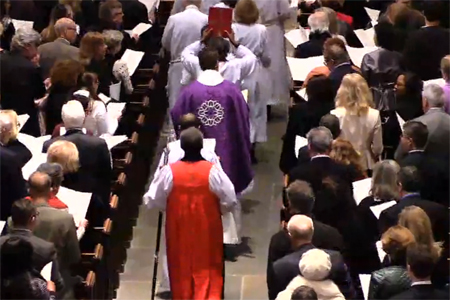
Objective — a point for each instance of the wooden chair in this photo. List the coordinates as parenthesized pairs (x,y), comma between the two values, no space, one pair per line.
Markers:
(89,283)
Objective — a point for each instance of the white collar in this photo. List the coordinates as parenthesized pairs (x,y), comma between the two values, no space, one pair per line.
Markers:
(191,6)
(424,282)
(210,78)
(417,150)
(320,155)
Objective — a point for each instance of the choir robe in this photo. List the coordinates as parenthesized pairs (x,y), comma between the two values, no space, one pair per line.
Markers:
(224,114)
(273,14)
(258,84)
(182,29)
(194,194)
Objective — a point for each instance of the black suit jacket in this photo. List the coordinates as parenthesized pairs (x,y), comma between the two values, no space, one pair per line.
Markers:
(43,253)
(313,47)
(434,174)
(134,12)
(20,150)
(325,237)
(338,73)
(424,50)
(286,269)
(425,291)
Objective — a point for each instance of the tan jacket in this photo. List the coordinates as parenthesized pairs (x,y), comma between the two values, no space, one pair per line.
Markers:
(364,132)
(60,49)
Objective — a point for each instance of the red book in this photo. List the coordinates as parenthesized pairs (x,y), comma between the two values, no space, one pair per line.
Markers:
(219,20)
(346,18)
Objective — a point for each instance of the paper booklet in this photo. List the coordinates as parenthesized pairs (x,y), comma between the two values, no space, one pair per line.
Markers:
(21,24)
(361,189)
(300,67)
(373,14)
(139,29)
(401,122)
(77,202)
(367,37)
(132,59)
(113,140)
(365,283)
(114,90)
(245,94)
(115,109)
(22,119)
(32,165)
(34,144)
(299,143)
(378,209)
(381,253)
(302,93)
(105,99)
(46,271)
(2,225)
(297,36)
(357,54)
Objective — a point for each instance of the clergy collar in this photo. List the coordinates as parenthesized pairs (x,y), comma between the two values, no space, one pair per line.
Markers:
(416,151)
(210,78)
(320,156)
(191,7)
(422,282)
(434,109)
(410,195)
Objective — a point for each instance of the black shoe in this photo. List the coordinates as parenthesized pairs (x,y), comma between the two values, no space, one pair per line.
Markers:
(269,113)
(165,295)
(253,156)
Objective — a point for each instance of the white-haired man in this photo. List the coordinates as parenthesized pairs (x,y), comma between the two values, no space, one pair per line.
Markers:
(319,24)
(95,172)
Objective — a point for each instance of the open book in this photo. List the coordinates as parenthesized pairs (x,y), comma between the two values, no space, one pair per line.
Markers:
(132,59)
(297,36)
(357,54)
(34,144)
(113,140)
(77,202)
(373,14)
(22,119)
(21,24)
(367,37)
(115,109)
(378,209)
(300,67)
(299,143)
(114,90)
(139,29)
(361,189)
(46,271)
(32,165)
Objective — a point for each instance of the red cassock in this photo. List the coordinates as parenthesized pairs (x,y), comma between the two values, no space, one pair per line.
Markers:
(194,234)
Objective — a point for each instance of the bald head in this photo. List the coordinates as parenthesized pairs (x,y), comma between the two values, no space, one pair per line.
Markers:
(300,228)
(66,28)
(40,185)
(189,120)
(191,140)
(6,123)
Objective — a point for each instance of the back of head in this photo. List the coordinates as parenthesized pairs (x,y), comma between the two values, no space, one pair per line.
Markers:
(66,73)
(318,22)
(343,152)
(73,115)
(105,11)
(304,292)
(54,171)
(39,185)
(246,12)
(320,91)
(64,153)
(421,261)
(9,128)
(89,46)
(319,140)
(208,59)
(332,19)
(385,35)
(394,10)
(354,95)
(24,38)
(445,67)
(395,241)
(60,11)
(301,197)
(191,140)
(315,265)
(409,178)
(332,123)
(221,45)
(433,10)
(385,180)
(433,95)
(84,97)
(417,132)
(301,228)
(189,120)
(22,212)
(334,50)
(63,24)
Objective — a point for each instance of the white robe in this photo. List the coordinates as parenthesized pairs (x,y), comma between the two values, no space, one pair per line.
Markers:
(258,84)
(234,69)
(273,14)
(182,29)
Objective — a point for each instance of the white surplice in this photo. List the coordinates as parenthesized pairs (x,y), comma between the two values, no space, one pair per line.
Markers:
(258,84)
(234,69)
(273,14)
(182,29)
(207,4)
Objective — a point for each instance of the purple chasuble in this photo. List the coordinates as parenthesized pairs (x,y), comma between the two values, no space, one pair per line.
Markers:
(225,117)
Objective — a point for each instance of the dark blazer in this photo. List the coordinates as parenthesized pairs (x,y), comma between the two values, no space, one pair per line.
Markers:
(58,96)
(437,213)
(313,47)
(12,186)
(338,73)
(425,291)
(43,253)
(424,50)
(434,174)
(325,237)
(22,83)
(286,269)
(356,10)
(20,150)
(134,12)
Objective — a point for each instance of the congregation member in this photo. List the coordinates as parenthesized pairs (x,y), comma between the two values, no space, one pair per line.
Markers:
(408,96)
(58,12)
(183,28)
(56,174)
(319,25)
(21,78)
(61,48)
(343,153)
(225,118)
(202,242)
(9,131)
(445,71)
(304,293)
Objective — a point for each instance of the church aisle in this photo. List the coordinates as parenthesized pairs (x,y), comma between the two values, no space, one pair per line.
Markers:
(245,277)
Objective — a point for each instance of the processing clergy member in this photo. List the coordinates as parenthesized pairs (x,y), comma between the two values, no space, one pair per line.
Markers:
(194,193)
(224,115)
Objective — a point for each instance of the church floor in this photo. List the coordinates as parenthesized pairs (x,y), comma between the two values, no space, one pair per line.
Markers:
(245,277)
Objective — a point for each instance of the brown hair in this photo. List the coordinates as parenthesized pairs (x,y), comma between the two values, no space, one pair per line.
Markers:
(395,241)
(89,45)
(105,11)
(88,80)
(394,10)
(343,152)
(66,73)
(74,4)
(246,12)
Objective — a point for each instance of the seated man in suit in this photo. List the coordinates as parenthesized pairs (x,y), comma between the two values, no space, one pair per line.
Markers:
(61,48)
(420,263)
(301,201)
(301,231)
(24,217)
(409,181)
(319,24)
(433,172)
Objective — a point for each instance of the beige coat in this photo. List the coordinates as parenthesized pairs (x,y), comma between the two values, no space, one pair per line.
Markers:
(325,289)
(364,132)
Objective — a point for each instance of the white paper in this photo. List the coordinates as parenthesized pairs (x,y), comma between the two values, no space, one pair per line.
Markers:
(373,14)
(299,143)
(401,122)
(357,54)
(378,209)
(21,24)
(132,59)
(78,28)
(245,94)
(230,235)
(150,4)
(46,271)
(297,36)
(104,98)
(2,225)
(302,93)
(361,189)
(77,202)
(381,253)
(22,119)
(367,37)
(113,140)
(32,143)
(62,130)
(114,90)
(438,81)
(32,165)
(300,67)
(365,283)
(141,28)
(115,109)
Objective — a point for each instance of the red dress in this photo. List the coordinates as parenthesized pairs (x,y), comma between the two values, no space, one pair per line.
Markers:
(194,234)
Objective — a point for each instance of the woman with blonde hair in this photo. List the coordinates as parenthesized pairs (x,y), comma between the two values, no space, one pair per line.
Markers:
(9,130)
(343,152)
(254,36)
(64,153)
(360,123)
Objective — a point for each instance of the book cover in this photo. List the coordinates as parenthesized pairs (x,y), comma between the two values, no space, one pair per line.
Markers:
(219,20)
